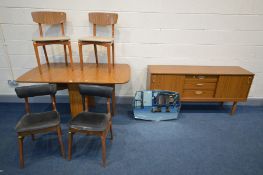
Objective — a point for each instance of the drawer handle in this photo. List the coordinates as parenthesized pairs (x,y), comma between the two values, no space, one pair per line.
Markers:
(199,84)
(198,92)
(201,77)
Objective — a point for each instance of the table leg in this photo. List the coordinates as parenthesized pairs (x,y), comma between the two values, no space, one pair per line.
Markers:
(75,99)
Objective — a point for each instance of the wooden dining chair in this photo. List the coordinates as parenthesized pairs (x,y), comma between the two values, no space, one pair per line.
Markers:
(51,18)
(35,123)
(98,18)
(90,122)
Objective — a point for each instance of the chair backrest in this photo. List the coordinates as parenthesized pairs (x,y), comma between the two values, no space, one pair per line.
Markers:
(99,18)
(95,90)
(37,90)
(49,18)
(103,18)
(45,17)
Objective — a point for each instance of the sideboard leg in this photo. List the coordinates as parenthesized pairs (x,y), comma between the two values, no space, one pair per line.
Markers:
(222,104)
(234,107)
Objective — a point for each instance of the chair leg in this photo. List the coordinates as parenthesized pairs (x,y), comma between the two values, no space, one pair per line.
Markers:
(37,57)
(60,141)
(70,138)
(113,101)
(45,52)
(234,107)
(96,53)
(33,137)
(80,55)
(111,133)
(108,53)
(113,53)
(21,159)
(103,143)
(65,52)
(70,55)
(222,105)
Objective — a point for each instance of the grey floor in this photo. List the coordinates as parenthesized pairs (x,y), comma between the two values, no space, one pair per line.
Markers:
(205,140)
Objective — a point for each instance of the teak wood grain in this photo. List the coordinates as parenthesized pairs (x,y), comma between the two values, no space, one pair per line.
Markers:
(202,83)
(233,86)
(100,18)
(75,98)
(48,17)
(172,82)
(198,70)
(194,85)
(91,74)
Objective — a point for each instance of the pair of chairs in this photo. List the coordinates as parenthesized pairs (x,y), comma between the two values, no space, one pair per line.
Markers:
(59,18)
(85,122)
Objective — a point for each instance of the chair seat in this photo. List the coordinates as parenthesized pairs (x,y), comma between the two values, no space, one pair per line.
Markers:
(51,38)
(97,39)
(90,121)
(37,121)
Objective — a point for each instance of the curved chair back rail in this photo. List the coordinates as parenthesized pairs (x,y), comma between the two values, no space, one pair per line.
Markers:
(46,17)
(95,90)
(36,90)
(103,18)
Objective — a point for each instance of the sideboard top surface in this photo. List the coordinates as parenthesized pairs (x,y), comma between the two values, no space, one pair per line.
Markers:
(205,70)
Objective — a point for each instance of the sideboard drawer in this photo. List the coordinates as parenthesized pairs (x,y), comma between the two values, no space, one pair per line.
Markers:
(200,85)
(200,78)
(198,94)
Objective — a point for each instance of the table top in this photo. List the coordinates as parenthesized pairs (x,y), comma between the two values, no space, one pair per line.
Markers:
(205,70)
(60,73)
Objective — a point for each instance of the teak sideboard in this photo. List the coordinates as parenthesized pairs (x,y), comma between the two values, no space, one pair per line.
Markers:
(202,83)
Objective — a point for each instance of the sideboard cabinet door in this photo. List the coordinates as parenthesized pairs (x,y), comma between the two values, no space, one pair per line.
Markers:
(167,82)
(233,86)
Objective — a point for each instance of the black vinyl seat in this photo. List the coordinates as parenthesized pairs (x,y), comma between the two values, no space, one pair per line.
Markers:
(90,122)
(36,121)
